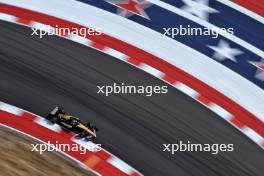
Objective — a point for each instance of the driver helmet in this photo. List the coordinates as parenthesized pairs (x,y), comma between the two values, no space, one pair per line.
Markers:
(74,122)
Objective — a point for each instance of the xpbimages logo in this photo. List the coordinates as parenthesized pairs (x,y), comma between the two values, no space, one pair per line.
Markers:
(191,147)
(182,30)
(50,147)
(64,31)
(129,89)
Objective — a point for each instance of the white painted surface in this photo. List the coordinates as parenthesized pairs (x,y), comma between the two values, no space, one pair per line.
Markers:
(10,109)
(43,122)
(186,89)
(124,167)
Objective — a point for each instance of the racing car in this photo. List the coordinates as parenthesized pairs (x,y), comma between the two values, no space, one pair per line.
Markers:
(72,124)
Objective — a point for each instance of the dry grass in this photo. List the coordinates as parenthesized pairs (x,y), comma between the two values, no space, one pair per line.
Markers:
(17,159)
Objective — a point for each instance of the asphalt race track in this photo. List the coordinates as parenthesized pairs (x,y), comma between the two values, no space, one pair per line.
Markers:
(38,74)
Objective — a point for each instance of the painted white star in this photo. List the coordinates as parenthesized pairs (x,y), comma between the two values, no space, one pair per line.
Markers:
(198,8)
(223,51)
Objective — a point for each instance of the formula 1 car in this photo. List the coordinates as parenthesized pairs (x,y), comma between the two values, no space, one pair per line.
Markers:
(72,124)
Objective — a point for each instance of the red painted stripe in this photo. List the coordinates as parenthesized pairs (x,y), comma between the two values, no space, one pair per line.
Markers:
(66,134)
(169,79)
(133,61)
(28,116)
(203,99)
(256,6)
(98,45)
(24,21)
(103,155)
(108,169)
(237,122)
(134,174)
(242,114)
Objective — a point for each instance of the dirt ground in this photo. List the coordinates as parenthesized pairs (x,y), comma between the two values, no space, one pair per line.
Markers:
(17,159)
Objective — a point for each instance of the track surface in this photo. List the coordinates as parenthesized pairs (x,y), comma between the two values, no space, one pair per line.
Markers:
(38,74)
